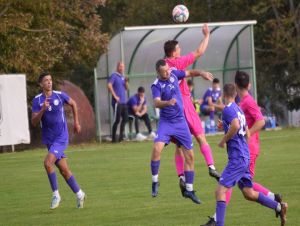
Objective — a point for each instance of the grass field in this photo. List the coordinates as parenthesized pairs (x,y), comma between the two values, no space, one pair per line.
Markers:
(117,181)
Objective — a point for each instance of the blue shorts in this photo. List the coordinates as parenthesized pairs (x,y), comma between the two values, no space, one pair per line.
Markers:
(236,171)
(204,109)
(178,130)
(57,149)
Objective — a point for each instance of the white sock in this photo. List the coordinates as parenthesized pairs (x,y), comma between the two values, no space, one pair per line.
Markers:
(212,167)
(56,193)
(182,177)
(189,187)
(215,217)
(155,178)
(278,209)
(271,195)
(79,194)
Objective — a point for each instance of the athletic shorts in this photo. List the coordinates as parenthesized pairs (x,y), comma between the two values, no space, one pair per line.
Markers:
(178,131)
(192,118)
(57,149)
(204,109)
(236,171)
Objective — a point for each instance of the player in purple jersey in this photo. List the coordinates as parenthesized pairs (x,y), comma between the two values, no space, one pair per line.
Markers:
(212,102)
(237,168)
(47,109)
(172,123)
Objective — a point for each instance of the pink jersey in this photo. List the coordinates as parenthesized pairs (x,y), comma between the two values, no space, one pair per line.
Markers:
(192,118)
(181,63)
(252,113)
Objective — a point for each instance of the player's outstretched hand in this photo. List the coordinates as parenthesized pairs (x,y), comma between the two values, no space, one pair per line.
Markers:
(205,30)
(77,128)
(220,125)
(172,102)
(207,76)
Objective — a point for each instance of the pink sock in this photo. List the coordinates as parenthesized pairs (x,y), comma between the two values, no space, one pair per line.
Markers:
(260,188)
(206,151)
(179,161)
(228,195)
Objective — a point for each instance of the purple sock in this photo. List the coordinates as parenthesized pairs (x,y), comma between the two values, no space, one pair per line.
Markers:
(220,212)
(212,115)
(155,167)
(73,184)
(189,177)
(266,201)
(53,181)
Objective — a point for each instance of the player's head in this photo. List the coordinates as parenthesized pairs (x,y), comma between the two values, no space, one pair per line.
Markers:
(242,80)
(190,85)
(229,91)
(45,81)
(120,67)
(163,70)
(172,48)
(141,91)
(216,84)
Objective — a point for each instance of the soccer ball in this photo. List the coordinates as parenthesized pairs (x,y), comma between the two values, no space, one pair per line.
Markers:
(180,13)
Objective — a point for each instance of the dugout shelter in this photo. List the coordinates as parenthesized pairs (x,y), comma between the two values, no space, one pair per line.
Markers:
(231,48)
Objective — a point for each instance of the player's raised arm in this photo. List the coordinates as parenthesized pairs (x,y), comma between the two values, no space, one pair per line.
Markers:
(204,74)
(204,43)
(77,127)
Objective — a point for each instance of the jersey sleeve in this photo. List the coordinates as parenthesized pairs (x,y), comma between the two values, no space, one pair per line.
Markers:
(254,110)
(180,74)
(35,105)
(65,97)
(155,91)
(186,60)
(229,115)
(112,79)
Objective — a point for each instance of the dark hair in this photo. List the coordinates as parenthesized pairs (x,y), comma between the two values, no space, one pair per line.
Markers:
(242,79)
(42,75)
(229,90)
(160,63)
(190,82)
(170,47)
(141,89)
(216,80)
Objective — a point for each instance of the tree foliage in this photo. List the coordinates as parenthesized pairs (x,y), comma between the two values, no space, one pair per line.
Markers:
(56,36)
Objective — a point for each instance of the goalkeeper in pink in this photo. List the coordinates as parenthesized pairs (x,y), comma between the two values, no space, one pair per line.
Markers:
(174,59)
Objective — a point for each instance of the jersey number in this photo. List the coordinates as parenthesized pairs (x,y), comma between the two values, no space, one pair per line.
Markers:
(242,119)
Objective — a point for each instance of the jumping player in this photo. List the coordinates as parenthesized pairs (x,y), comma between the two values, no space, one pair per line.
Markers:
(47,109)
(172,124)
(174,59)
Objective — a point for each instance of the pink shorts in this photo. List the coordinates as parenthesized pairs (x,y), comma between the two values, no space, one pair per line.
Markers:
(192,118)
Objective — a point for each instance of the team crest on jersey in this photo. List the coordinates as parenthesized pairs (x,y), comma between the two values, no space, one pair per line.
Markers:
(172,79)
(56,102)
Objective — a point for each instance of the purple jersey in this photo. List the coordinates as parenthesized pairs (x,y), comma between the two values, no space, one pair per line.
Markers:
(134,101)
(53,122)
(166,90)
(237,146)
(118,83)
(214,94)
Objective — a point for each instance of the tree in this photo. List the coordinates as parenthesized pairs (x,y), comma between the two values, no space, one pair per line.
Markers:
(57,36)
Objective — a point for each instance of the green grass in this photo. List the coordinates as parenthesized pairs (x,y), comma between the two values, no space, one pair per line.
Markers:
(117,181)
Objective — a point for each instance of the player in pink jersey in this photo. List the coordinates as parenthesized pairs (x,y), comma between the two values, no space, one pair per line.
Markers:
(255,122)
(174,59)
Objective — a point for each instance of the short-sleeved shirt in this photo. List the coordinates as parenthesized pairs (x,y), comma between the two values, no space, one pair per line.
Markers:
(181,63)
(237,146)
(53,121)
(118,83)
(166,90)
(214,94)
(134,100)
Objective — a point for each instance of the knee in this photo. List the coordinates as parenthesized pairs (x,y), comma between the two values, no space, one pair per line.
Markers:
(48,165)
(201,139)
(249,195)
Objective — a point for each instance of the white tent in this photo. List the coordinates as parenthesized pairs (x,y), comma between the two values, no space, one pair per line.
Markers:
(231,48)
